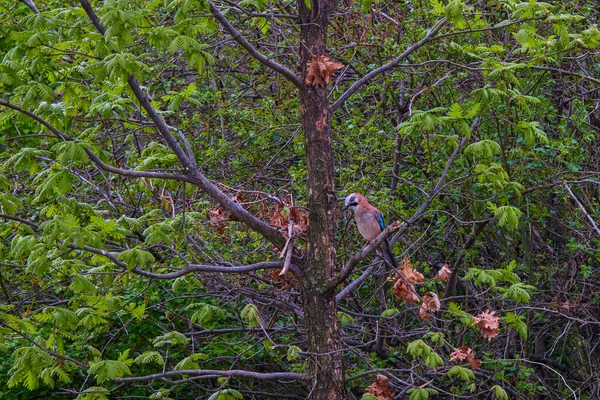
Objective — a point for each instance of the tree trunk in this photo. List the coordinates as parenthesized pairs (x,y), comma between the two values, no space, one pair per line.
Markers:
(324,340)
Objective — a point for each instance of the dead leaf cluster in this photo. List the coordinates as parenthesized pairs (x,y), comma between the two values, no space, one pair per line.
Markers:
(487,322)
(285,282)
(288,218)
(380,388)
(431,303)
(568,305)
(465,353)
(444,274)
(320,69)
(405,278)
(218,219)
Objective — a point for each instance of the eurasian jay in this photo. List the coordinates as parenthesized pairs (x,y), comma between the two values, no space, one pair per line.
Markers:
(369,221)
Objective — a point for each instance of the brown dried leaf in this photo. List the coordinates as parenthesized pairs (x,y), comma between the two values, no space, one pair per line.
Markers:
(285,215)
(444,273)
(410,274)
(405,292)
(277,218)
(380,389)
(431,303)
(465,353)
(320,69)
(283,282)
(567,305)
(475,362)
(217,219)
(487,322)
(299,218)
(405,278)
(461,353)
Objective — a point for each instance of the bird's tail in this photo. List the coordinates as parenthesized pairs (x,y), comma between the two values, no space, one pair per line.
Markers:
(387,255)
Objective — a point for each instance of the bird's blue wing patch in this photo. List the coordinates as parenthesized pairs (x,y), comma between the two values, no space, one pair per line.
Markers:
(380,219)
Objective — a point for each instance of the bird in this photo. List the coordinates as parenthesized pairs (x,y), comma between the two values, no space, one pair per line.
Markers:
(369,221)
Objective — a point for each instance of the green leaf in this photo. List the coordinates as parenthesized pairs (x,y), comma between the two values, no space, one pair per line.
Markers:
(150,357)
(369,396)
(189,363)
(517,322)
(390,312)
(71,151)
(226,394)
(483,277)
(454,12)
(109,370)
(419,348)
(206,313)
(293,353)
(56,183)
(9,204)
(508,215)
(29,361)
(462,373)
(499,393)
(81,284)
(531,132)
(136,257)
(250,316)
(519,292)
(421,393)
(455,111)
(484,150)
(437,7)
(172,338)
(344,318)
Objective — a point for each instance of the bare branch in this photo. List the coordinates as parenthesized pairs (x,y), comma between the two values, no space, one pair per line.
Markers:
(359,256)
(565,72)
(95,159)
(434,192)
(355,283)
(237,36)
(193,173)
(211,268)
(188,270)
(31,6)
(429,37)
(582,208)
(211,373)
(21,220)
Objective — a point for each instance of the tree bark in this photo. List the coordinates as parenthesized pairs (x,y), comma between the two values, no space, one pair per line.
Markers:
(324,341)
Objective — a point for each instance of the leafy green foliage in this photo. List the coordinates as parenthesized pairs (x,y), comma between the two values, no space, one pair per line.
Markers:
(462,373)
(517,322)
(512,82)
(421,393)
(172,338)
(499,393)
(29,363)
(149,357)
(136,257)
(250,315)
(109,370)
(206,313)
(226,394)
(419,348)
(293,353)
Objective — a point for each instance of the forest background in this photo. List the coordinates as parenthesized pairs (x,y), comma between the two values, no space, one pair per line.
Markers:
(171,185)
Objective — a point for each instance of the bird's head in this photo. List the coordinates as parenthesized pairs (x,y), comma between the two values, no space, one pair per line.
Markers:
(351,201)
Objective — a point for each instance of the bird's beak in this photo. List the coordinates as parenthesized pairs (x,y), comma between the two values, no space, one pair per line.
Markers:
(345,207)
